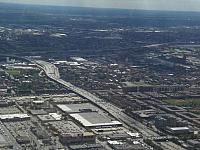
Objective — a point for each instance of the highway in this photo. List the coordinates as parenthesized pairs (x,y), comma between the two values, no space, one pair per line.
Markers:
(53,73)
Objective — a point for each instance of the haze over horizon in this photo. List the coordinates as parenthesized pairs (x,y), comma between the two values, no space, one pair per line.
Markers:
(170,5)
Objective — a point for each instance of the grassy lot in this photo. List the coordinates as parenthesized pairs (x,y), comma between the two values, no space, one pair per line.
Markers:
(194,103)
(13,72)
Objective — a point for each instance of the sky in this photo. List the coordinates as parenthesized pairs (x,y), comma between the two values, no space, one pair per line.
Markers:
(178,5)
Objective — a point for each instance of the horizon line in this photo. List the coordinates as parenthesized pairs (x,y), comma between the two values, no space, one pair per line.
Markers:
(93,7)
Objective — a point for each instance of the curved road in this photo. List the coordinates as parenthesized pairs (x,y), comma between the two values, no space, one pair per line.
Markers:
(53,73)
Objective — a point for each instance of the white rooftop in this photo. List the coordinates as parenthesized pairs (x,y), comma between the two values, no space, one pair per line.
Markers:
(77,108)
(94,120)
(11,116)
(179,128)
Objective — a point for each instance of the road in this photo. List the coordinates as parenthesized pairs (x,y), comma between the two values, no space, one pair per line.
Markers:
(53,73)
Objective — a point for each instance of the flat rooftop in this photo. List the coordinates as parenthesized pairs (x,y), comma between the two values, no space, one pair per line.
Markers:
(68,99)
(7,141)
(94,119)
(77,108)
(50,117)
(66,127)
(79,59)
(2,139)
(179,128)
(134,84)
(14,116)
(9,110)
(86,146)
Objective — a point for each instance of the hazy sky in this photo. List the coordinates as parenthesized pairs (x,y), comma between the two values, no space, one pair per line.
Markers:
(185,5)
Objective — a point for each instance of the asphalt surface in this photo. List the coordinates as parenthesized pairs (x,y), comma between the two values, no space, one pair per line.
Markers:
(53,73)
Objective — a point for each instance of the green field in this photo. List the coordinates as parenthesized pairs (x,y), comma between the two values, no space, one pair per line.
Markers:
(13,72)
(194,103)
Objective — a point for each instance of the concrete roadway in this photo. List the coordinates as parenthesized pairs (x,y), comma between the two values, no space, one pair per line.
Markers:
(53,73)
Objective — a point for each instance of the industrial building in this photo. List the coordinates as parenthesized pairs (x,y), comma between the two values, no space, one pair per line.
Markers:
(163,121)
(94,120)
(179,130)
(143,87)
(123,145)
(49,117)
(78,108)
(86,147)
(14,117)
(69,132)
(4,143)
